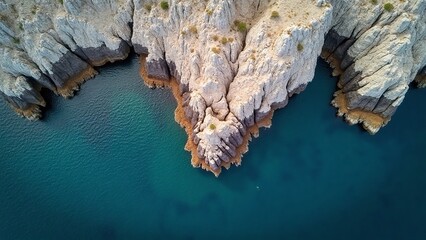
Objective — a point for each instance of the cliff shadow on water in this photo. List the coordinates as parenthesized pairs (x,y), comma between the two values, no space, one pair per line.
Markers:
(309,109)
(52,99)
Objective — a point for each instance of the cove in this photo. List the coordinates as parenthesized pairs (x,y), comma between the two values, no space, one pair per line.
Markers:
(110,164)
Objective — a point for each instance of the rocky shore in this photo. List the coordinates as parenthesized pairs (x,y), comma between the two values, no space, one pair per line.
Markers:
(377,49)
(230,64)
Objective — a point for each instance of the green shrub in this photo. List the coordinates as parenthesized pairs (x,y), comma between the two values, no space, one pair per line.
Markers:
(299,47)
(212,126)
(148,7)
(241,26)
(16,40)
(61,1)
(216,50)
(164,5)
(224,40)
(374,2)
(388,7)
(193,29)
(275,14)
(21,26)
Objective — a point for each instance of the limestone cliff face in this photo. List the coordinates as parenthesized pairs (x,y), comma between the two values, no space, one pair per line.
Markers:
(231,62)
(379,50)
(48,44)
(234,62)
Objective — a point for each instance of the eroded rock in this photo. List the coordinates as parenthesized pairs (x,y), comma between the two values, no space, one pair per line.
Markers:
(230,63)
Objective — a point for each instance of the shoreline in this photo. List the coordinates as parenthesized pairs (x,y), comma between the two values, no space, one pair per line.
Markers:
(333,61)
(73,84)
(107,60)
(31,113)
(181,119)
(371,122)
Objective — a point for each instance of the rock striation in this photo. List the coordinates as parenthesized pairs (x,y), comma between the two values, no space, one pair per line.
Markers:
(230,63)
(54,45)
(377,48)
(234,63)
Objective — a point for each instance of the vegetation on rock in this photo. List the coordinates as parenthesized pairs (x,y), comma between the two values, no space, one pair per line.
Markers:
(241,26)
(164,5)
(299,47)
(388,7)
(216,50)
(224,40)
(148,7)
(275,14)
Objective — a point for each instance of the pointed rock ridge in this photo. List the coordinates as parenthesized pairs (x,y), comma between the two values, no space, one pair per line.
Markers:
(377,51)
(233,62)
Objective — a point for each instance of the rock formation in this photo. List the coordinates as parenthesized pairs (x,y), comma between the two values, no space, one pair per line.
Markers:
(46,43)
(230,63)
(378,48)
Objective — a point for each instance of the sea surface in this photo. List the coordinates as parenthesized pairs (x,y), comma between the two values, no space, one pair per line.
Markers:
(110,164)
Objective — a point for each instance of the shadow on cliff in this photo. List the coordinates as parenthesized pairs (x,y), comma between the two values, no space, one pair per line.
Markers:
(52,99)
(126,61)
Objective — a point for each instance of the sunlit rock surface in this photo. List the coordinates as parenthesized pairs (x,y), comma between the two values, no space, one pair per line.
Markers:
(230,63)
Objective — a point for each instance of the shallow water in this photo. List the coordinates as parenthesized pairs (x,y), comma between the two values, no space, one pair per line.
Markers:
(110,164)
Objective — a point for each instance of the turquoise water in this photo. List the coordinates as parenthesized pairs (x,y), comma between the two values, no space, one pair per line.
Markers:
(110,164)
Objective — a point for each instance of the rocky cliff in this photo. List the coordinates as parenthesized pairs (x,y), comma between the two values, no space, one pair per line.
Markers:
(229,63)
(55,45)
(378,48)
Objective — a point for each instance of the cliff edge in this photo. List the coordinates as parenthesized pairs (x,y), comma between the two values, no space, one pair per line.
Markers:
(378,48)
(230,64)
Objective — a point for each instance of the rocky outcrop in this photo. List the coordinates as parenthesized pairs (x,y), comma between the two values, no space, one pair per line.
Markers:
(55,45)
(378,48)
(234,62)
(230,63)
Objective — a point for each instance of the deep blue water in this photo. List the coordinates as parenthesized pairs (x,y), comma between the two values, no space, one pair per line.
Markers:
(110,164)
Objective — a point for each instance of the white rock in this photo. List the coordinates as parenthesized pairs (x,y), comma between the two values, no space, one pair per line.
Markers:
(232,73)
